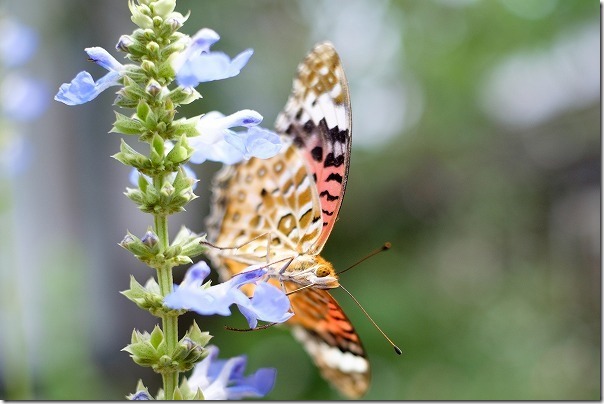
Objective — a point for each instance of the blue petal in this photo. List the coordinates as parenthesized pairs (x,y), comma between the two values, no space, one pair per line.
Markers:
(204,302)
(203,40)
(269,303)
(196,275)
(141,395)
(239,62)
(102,58)
(220,151)
(209,67)
(245,117)
(224,379)
(215,299)
(258,384)
(255,142)
(213,126)
(83,88)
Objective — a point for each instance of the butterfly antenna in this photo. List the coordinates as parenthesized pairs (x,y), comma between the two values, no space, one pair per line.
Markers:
(262,327)
(385,247)
(396,348)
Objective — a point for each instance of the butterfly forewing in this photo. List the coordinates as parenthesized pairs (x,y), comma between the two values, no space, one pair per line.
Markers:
(284,207)
(318,117)
(258,202)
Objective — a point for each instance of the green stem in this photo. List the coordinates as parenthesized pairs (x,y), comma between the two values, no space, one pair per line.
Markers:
(165,280)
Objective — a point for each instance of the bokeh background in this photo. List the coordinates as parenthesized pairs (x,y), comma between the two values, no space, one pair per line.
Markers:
(476,153)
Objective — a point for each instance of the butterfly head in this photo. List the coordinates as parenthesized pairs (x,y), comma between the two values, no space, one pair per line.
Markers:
(313,270)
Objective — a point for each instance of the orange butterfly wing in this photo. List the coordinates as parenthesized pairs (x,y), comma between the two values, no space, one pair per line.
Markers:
(321,326)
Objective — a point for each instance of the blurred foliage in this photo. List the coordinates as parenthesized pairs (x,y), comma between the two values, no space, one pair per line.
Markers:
(492,287)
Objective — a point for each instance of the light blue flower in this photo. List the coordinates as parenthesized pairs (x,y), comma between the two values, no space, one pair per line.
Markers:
(197,64)
(224,379)
(83,88)
(217,142)
(22,98)
(16,154)
(255,142)
(213,126)
(269,305)
(18,43)
(140,395)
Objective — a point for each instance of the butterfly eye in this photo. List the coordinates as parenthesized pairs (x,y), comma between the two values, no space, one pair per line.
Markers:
(322,272)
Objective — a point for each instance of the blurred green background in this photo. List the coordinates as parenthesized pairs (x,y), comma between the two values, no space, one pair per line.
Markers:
(476,153)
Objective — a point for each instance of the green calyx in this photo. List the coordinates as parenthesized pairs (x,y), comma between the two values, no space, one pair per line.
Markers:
(150,350)
(185,246)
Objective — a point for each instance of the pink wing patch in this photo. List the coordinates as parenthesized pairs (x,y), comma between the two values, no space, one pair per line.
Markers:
(318,118)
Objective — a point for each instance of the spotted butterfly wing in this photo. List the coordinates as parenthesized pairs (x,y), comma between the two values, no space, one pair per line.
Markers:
(318,118)
(283,209)
(329,337)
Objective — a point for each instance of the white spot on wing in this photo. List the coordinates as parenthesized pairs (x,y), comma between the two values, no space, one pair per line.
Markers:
(345,362)
(326,106)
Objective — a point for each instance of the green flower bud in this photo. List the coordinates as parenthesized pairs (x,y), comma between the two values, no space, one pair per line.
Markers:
(142,351)
(180,153)
(124,43)
(157,21)
(163,8)
(142,393)
(149,67)
(140,15)
(154,88)
(150,239)
(135,245)
(153,49)
(174,23)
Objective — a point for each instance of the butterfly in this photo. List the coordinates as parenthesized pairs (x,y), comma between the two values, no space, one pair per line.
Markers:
(282,210)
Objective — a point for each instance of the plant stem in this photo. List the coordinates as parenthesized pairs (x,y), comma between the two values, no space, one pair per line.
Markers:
(165,280)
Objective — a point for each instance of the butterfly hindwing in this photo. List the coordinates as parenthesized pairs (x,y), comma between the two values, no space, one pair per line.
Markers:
(318,117)
(328,336)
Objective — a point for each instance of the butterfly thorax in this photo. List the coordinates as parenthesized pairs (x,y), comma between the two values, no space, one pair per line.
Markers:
(308,269)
